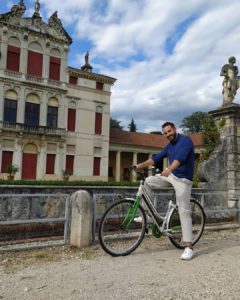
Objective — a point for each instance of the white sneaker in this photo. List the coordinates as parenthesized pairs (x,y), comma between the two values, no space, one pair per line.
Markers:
(187,254)
(138,220)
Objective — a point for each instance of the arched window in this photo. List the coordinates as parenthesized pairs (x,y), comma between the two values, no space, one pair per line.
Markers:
(52,113)
(35,59)
(32,110)
(13,54)
(10,106)
(98,120)
(55,64)
(71,116)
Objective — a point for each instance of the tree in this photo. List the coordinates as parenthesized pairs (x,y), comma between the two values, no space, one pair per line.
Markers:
(194,122)
(132,126)
(115,124)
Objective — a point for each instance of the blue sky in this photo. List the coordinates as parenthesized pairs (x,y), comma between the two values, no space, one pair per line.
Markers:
(166,55)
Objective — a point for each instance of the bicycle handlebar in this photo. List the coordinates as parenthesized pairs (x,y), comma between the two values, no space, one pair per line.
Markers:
(144,172)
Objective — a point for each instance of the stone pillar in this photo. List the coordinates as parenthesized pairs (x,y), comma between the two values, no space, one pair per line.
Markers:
(134,175)
(1,101)
(118,166)
(81,219)
(42,160)
(43,109)
(222,169)
(21,106)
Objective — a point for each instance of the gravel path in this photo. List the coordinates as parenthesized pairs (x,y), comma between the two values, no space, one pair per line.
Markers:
(154,271)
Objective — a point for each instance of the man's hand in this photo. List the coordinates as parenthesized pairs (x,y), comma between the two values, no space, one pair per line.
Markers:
(166,172)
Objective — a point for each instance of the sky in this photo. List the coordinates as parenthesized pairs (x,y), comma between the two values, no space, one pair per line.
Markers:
(165,54)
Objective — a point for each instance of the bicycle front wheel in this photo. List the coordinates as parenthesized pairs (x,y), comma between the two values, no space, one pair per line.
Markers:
(119,234)
(198,223)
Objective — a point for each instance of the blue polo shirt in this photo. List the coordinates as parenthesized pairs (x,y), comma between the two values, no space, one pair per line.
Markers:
(181,149)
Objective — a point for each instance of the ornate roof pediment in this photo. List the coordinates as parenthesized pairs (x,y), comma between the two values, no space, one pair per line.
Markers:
(15,14)
(54,28)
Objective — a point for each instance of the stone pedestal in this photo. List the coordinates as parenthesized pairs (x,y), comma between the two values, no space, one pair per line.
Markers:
(222,169)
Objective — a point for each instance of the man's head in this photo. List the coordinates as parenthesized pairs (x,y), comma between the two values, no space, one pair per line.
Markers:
(170,131)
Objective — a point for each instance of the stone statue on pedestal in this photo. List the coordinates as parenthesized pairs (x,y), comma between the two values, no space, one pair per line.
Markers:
(231,81)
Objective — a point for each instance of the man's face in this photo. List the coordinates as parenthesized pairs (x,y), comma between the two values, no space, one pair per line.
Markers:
(170,132)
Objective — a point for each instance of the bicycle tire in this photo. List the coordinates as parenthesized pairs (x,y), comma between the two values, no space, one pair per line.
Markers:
(117,239)
(198,223)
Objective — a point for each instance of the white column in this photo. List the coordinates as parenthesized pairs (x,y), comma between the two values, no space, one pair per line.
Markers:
(41,163)
(118,166)
(134,175)
(3,60)
(21,106)
(23,59)
(17,157)
(62,113)
(60,159)
(43,109)
(46,65)
(1,101)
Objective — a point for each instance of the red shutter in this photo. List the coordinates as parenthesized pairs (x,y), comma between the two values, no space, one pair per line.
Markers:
(35,60)
(29,166)
(54,69)
(99,86)
(98,123)
(73,80)
(71,119)
(96,166)
(50,164)
(13,58)
(6,160)
(69,163)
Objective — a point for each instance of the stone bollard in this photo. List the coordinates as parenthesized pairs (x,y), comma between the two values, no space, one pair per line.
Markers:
(81,219)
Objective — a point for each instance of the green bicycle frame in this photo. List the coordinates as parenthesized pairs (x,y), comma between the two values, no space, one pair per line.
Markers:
(131,213)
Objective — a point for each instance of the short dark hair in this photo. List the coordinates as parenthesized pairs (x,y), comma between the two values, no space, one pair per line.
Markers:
(168,124)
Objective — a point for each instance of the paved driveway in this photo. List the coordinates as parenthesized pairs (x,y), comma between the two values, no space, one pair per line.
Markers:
(154,271)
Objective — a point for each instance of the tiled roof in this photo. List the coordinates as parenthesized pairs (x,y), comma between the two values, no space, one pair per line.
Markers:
(146,139)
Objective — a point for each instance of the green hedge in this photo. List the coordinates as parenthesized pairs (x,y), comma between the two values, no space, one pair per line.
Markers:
(67,183)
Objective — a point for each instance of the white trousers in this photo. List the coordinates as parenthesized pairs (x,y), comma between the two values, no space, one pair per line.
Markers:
(183,189)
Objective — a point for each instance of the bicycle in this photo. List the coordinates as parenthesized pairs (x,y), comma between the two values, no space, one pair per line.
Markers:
(120,235)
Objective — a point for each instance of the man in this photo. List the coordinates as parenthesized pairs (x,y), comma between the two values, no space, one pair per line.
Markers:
(180,154)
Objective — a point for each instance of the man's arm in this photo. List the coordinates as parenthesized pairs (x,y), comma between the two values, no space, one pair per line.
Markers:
(174,165)
(147,163)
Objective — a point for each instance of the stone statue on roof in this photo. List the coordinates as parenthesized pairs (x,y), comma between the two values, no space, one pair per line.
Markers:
(231,81)
(87,67)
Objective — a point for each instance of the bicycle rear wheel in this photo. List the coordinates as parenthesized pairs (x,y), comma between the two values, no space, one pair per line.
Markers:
(198,223)
(118,233)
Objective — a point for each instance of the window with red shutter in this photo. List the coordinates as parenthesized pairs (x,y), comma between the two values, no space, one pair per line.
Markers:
(69,163)
(98,123)
(7,157)
(96,166)
(13,58)
(50,163)
(54,68)
(99,85)
(71,119)
(73,80)
(35,60)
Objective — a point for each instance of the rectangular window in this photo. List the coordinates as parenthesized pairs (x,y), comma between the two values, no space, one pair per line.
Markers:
(50,163)
(69,163)
(96,166)
(52,116)
(98,123)
(73,80)
(32,114)
(35,61)
(7,157)
(13,58)
(10,111)
(54,68)
(71,119)
(99,85)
